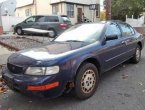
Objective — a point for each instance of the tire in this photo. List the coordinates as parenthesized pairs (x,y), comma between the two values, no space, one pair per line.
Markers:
(137,56)
(86,81)
(53,34)
(19,31)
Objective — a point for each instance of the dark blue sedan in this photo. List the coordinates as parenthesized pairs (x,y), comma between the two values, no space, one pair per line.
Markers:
(74,60)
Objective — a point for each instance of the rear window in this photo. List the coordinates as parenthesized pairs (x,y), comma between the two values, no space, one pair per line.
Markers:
(65,19)
(52,19)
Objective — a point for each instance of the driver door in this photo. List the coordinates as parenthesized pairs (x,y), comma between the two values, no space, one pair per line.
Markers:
(112,49)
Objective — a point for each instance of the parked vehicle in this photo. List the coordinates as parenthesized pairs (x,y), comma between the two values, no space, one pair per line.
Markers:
(54,23)
(74,60)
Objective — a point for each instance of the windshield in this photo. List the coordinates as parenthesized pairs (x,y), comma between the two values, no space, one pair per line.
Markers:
(82,33)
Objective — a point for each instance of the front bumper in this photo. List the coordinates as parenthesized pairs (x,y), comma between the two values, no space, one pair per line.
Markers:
(21,82)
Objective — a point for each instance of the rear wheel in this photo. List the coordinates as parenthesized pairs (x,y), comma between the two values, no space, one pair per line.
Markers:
(52,33)
(19,31)
(137,56)
(86,81)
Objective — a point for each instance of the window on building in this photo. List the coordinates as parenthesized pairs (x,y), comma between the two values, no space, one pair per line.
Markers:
(97,10)
(55,9)
(28,12)
(70,10)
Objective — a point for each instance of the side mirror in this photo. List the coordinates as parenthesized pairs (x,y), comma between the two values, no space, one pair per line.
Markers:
(111,37)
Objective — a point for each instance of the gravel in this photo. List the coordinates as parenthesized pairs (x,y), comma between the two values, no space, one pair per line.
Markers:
(20,42)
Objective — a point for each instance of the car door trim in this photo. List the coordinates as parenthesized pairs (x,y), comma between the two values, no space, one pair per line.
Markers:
(119,55)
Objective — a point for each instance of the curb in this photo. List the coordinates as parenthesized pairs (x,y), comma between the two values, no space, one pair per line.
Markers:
(9,46)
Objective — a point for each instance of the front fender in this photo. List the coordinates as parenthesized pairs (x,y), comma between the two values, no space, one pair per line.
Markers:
(76,63)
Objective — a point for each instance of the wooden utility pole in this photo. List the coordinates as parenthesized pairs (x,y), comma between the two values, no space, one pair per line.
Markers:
(108,9)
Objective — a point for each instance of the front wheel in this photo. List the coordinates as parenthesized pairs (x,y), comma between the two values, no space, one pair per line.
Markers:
(137,56)
(19,31)
(86,81)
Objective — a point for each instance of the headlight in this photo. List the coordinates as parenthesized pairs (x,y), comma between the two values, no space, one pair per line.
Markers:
(42,70)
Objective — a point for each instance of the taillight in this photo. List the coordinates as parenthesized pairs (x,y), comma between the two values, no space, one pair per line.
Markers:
(63,26)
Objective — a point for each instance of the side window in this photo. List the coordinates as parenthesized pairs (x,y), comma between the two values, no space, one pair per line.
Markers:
(40,19)
(31,19)
(113,29)
(132,30)
(52,19)
(126,30)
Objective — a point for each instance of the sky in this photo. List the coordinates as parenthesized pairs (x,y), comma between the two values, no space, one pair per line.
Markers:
(2,1)
(101,4)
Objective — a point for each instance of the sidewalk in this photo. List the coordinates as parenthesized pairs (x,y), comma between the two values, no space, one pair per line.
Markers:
(3,59)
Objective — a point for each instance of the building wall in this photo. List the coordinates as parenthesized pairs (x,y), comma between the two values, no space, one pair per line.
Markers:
(20,12)
(39,7)
(44,7)
(77,1)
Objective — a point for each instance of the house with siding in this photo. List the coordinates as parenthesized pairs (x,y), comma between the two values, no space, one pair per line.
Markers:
(76,10)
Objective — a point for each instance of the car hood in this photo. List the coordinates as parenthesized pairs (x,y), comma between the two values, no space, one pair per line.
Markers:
(49,52)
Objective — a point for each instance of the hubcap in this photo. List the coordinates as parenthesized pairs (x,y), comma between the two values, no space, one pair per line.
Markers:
(137,54)
(19,31)
(51,34)
(88,81)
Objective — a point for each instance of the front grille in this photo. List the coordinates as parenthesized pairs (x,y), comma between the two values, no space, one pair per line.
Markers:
(15,69)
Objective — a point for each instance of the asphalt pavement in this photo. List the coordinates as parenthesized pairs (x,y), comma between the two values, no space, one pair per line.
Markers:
(122,88)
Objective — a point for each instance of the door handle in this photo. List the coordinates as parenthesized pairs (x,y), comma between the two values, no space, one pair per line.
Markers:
(125,42)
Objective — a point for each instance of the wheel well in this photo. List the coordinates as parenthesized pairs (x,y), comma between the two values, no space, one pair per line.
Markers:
(18,27)
(53,30)
(140,44)
(71,85)
(93,61)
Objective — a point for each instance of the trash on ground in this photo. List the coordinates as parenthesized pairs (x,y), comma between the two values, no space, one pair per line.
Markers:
(124,76)
(140,83)
(3,86)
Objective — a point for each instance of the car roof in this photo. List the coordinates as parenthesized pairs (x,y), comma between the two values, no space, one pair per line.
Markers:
(51,15)
(110,21)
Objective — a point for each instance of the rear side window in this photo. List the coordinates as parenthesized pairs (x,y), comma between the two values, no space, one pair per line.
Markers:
(126,30)
(52,19)
(40,19)
(113,29)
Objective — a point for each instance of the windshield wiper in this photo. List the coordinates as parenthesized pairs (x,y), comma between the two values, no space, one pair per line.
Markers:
(73,41)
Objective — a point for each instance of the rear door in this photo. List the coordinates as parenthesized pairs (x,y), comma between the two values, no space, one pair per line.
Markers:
(40,23)
(128,35)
